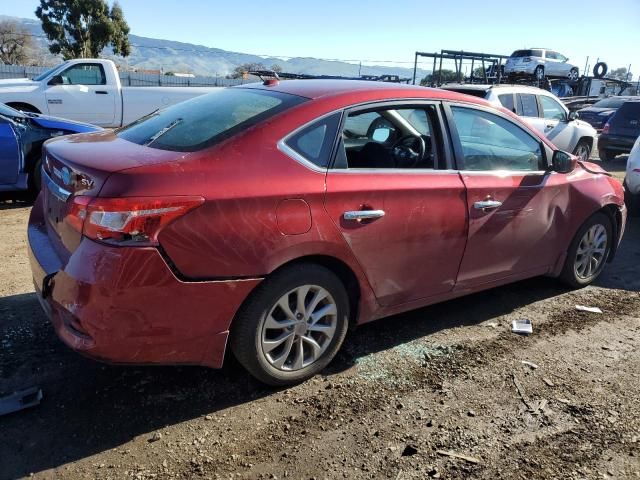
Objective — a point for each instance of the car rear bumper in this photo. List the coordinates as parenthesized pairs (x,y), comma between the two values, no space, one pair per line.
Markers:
(527,69)
(615,143)
(125,305)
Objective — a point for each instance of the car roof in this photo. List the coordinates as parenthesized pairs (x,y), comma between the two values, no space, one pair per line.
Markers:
(316,89)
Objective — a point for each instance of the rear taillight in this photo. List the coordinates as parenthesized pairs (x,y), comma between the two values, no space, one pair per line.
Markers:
(128,221)
(606,127)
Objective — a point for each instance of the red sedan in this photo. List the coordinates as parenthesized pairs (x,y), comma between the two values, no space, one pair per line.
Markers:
(270,217)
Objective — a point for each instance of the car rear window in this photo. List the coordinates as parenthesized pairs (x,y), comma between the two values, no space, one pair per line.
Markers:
(527,53)
(629,110)
(480,93)
(208,119)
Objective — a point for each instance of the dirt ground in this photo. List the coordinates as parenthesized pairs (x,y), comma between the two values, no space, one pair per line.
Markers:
(441,392)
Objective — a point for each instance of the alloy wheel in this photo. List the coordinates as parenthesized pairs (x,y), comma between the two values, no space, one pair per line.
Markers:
(539,73)
(590,255)
(299,328)
(573,75)
(582,152)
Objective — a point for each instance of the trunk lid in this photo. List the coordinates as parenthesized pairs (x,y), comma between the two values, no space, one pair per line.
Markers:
(80,165)
(626,121)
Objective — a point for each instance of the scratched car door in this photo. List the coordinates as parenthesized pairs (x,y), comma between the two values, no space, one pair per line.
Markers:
(405,224)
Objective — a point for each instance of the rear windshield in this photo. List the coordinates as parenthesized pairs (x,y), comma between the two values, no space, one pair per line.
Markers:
(208,119)
(469,91)
(629,110)
(527,53)
(611,102)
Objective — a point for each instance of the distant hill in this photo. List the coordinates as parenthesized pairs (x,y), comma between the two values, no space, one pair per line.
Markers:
(154,54)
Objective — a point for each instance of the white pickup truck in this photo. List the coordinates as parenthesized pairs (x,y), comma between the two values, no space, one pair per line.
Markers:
(89,90)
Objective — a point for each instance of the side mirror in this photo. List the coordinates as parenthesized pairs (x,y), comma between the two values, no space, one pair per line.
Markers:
(56,80)
(563,162)
(573,116)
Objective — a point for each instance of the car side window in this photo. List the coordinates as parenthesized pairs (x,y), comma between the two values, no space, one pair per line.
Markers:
(551,109)
(390,137)
(84,74)
(506,99)
(490,142)
(315,142)
(526,105)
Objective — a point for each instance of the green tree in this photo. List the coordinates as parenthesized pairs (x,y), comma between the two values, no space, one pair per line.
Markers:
(15,43)
(620,74)
(276,68)
(442,76)
(83,28)
(241,71)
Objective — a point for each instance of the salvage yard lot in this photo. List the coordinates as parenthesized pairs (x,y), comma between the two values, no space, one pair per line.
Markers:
(441,392)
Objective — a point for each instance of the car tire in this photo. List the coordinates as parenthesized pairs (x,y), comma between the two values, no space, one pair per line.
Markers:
(264,332)
(538,73)
(35,182)
(588,251)
(583,150)
(573,74)
(632,201)
(606,155)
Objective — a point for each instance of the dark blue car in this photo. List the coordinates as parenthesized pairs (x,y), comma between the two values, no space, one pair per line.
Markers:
(600,112)
(21,137)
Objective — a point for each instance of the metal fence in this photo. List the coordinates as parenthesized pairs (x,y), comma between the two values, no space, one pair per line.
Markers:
(133,79)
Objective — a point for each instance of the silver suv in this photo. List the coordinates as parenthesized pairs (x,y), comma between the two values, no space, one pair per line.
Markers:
(540,62)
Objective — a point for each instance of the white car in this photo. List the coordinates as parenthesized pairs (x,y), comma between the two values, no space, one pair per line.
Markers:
(540,62)
(632,179)
(88,90)
(540,109)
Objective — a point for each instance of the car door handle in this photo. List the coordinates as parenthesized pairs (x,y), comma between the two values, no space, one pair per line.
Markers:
(549,125)
(363,214)
(102,92)
(487,205)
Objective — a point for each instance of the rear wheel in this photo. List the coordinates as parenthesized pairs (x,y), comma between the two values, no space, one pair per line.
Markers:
(588,252)
(292,326)
(573,74)
(606,155)
(632,201)
(583,150)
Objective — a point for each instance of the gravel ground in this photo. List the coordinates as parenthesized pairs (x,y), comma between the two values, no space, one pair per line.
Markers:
(442,392)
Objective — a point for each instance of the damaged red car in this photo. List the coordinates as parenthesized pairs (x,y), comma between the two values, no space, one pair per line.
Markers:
(265,219)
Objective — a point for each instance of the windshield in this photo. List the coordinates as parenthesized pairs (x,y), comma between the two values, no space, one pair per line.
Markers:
(611,102)
(527,53)
(46,73)
(10,112)
(208,119)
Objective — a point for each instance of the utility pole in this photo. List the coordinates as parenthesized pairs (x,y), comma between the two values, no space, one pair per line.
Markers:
(359,69)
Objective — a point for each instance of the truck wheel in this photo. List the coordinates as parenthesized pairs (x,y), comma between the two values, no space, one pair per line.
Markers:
(583,150)
(606,155)
(292,325)
(588,252)
(24,107)
(538,73)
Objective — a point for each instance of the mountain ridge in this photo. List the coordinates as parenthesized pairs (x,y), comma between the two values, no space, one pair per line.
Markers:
(172,55)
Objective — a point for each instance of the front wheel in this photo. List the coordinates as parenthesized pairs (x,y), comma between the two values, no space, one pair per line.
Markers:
(35,184)
(588,252)
(582,151)
(292,326)
(538,73)
(632,201)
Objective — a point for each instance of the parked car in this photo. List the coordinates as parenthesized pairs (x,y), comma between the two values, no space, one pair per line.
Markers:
(600,112)
(271,216)
(89,90)
(540,63)
(632,179)
(21,139)
(620,132)
(540,109)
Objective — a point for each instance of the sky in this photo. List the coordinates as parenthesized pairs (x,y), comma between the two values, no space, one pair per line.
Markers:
(389,31)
